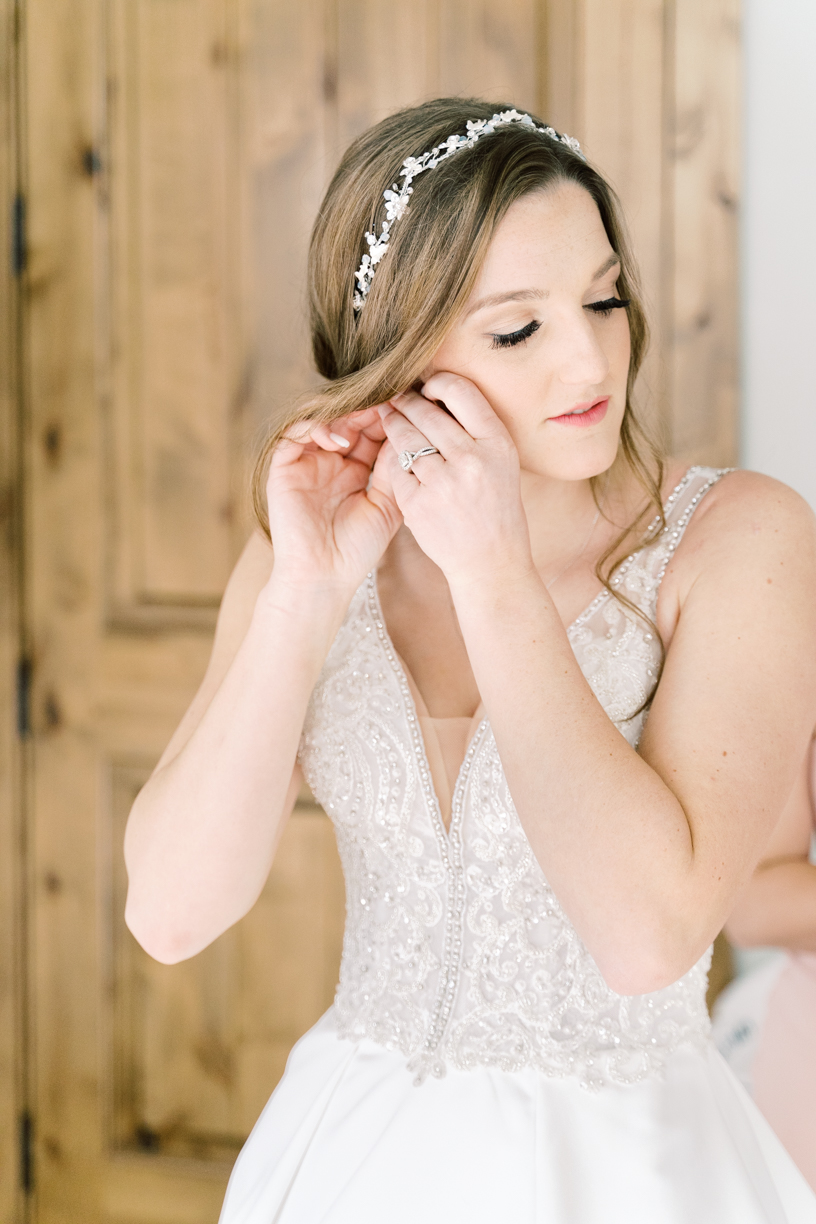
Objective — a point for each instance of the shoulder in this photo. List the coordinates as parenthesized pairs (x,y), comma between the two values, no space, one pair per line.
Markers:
(752,513)
(747,529)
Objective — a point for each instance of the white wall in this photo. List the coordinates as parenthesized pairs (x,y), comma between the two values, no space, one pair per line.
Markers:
(779,242)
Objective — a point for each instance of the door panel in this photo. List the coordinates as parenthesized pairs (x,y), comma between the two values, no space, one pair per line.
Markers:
(171,174)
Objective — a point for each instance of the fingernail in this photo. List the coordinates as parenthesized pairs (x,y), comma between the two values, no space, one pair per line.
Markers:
(340,441)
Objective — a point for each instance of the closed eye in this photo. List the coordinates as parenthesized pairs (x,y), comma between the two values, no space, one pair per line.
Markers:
(608,305)
(517,337)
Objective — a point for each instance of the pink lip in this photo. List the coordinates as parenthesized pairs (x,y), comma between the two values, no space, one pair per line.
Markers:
(590,413)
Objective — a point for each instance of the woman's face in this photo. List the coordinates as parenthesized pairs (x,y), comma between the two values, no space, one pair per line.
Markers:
(552,365)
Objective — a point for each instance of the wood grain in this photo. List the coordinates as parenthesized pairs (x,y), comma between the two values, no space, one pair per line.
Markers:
(13,1059)
(703,153)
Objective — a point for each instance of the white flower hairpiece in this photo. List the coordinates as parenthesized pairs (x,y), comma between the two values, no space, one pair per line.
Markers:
(396,197)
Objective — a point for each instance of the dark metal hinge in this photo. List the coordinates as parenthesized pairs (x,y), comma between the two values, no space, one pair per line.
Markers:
(19,244)
(24,698)
(26,1136)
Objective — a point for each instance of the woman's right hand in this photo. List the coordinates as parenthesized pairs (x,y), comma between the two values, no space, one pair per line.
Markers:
(332,511)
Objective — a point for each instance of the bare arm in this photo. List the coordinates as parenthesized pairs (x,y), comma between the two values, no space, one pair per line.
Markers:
(777,908)
(203,831)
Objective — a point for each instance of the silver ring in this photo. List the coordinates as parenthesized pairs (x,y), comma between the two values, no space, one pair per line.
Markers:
(407,458)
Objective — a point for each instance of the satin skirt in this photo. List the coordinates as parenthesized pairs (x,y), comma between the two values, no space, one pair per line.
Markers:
(347,1138)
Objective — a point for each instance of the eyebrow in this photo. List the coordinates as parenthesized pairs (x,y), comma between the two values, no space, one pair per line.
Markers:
(529,295)
(514,295)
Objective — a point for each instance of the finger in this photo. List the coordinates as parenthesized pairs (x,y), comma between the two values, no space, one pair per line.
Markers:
(343,433)
(467,404)
(334,437)
(288,451)
(403,435)
(405,485)
(365,419)
(381,487)
(441,429)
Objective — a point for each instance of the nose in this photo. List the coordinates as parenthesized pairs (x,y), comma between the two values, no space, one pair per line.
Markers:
(581,360)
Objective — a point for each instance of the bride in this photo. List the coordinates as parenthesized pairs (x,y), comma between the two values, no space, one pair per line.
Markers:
(485,579)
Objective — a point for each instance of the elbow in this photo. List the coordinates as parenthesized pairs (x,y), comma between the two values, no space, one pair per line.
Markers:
(747,926)
(160,940)
(741,933)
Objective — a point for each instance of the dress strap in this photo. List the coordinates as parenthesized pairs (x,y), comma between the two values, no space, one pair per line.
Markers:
(640,575)
(680,507)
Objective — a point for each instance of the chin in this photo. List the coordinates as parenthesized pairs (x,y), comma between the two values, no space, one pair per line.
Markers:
(578,460)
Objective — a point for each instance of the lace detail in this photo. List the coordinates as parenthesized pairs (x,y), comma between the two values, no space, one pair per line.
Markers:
(456,950)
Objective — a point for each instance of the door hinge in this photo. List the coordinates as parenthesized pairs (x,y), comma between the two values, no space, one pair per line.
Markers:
(26,1136)
(19,243)
(24,697)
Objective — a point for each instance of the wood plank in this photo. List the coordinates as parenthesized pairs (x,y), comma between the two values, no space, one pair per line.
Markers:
(373,81)
(561,85)
(12,1050)
(61,55)
(704,156)
(289,87)
(490,51)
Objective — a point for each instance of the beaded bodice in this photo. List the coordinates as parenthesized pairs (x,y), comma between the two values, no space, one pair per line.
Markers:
(456,950)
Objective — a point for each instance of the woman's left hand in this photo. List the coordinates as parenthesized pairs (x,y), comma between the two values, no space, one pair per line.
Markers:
(463,506)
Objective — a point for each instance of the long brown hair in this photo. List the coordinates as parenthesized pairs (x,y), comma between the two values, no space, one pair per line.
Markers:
(434,257)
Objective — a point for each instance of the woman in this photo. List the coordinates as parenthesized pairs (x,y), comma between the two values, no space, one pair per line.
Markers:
(771,1014)
(475,593)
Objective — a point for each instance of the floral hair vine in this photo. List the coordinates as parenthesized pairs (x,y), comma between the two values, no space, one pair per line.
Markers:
(396,197)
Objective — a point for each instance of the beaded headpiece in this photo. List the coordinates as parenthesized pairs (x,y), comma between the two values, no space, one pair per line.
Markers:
(396,197)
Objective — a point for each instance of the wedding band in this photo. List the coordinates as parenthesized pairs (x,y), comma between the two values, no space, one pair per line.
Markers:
(407,458)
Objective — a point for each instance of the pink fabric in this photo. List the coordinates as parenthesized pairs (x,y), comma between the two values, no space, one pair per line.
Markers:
(784,1069)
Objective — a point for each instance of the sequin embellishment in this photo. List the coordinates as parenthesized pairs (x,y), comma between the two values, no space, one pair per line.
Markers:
(456,950)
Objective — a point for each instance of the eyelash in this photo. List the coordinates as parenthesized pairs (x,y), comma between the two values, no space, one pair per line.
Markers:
(510,339)
(608,305)
(516,337)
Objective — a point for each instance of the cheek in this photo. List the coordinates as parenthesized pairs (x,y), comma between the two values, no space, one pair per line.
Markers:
(619,346)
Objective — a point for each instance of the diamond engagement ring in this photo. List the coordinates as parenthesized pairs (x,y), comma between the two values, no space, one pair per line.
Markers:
(407,458)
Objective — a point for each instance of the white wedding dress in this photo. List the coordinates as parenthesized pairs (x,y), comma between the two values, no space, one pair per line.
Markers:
(475,1067)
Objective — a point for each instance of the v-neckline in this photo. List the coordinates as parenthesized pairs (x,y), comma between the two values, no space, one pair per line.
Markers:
(403,673)
(409,685)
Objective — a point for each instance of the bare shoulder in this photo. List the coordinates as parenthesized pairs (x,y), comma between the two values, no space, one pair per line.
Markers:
(754,514)
(749,528)
(744,490)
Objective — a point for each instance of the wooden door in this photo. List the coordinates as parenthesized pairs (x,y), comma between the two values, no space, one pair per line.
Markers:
(176,151)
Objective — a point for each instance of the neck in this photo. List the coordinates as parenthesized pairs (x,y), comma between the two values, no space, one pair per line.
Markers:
(559,513)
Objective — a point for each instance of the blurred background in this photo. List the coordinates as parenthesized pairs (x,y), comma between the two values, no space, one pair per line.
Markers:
(161,162)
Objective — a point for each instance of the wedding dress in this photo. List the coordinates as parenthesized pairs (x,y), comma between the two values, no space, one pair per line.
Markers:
(475,1067)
